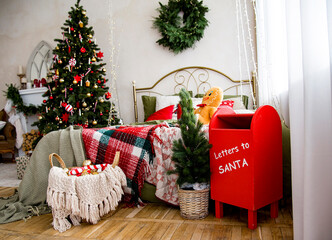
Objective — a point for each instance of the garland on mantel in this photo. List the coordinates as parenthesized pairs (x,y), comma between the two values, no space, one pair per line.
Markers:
(179,33)
(13,94)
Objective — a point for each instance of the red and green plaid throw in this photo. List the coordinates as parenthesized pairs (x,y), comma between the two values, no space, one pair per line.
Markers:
(136,151)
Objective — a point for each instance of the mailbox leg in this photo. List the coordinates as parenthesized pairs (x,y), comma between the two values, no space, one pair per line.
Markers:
(274,209)
(252,219)
(219,209)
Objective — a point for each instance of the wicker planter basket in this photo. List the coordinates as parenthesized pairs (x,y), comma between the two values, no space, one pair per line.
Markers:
(194,204)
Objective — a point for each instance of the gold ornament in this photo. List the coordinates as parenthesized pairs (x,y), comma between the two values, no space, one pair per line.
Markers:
(87,83)
(90,36)
(93,59)
(61,80)
(80,23)
(88,94)
(57,72)
(87,162)
(101,100)
(104,69)
(94,122)
(53,88)
(84,12)
(57,47)
(84,104)
(60,61)
(60,121)
(75,82)
(95,86)
(57,118)
(40,117)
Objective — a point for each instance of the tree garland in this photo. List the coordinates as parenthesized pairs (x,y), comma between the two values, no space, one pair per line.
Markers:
(14,95)
(179,36)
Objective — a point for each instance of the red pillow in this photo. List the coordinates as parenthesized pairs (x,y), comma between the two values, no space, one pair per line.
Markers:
(179,112)
(228,103)
(162,114)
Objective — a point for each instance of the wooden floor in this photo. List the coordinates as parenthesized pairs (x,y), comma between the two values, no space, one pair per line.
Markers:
(156,221)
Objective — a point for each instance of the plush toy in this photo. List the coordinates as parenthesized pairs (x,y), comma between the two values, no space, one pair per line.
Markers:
(210,103)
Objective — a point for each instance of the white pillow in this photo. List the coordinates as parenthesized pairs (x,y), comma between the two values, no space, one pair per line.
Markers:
(2,124)
(196,101)
(238,104)
(165,101)
(244,111)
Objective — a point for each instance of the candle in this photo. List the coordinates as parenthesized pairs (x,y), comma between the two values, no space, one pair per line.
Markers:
(20,69)
(24,80)
(29,85)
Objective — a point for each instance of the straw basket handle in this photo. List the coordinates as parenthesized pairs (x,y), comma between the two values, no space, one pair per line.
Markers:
(62,163)
(116,159)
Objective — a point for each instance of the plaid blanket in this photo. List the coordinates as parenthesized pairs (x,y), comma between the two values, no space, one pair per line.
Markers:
(135,144)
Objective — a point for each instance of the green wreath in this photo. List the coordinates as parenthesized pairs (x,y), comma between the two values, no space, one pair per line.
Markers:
(13,94)
(175,35)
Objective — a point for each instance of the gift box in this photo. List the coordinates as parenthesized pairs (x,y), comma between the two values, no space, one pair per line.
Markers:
(21,164)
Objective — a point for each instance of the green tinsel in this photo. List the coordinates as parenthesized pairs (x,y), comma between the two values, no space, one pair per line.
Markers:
(174,36)
(13,94)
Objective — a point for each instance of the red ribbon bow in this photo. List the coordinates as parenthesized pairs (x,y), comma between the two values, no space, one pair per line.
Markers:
(201,105)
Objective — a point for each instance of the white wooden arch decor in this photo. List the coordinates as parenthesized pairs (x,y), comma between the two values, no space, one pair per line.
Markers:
(39,62)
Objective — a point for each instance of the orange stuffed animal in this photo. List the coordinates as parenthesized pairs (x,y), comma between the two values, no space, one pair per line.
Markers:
(210,104)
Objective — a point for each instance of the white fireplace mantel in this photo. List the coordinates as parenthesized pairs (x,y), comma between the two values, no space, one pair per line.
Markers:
(33,96)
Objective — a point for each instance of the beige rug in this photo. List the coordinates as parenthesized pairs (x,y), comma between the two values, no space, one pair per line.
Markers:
(8,175)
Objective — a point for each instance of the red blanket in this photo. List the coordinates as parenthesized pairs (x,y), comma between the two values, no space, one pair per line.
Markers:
(136,151)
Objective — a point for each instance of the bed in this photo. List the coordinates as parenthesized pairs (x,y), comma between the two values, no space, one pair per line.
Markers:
(146,146)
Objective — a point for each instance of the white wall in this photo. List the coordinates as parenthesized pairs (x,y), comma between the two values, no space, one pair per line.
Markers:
(23,24)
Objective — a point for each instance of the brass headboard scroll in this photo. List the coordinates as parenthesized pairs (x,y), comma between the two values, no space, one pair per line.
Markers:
(196,79)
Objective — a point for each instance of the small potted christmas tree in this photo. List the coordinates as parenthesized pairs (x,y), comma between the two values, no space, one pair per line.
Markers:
(192,165)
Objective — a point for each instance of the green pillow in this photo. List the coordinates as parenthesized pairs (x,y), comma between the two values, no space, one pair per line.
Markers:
(149,105)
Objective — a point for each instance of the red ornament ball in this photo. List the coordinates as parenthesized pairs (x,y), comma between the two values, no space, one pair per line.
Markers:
(101,114)
(71,29)
(71,89)
(44,101)
(91,71)
(89,41)
(99,81)
(51,97)
(83,50)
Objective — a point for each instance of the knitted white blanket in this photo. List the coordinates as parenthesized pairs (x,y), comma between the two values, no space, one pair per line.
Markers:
(86,197)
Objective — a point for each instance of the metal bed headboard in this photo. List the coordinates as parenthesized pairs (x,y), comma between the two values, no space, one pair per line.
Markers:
(195,78)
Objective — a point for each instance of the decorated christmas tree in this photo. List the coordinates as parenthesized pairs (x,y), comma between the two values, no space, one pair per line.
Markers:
(77,93)
(191,151)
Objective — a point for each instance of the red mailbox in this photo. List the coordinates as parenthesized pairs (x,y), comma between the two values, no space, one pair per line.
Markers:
(246,161)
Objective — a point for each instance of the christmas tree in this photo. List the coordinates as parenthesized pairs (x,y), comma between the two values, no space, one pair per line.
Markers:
(77,93)
(191,152)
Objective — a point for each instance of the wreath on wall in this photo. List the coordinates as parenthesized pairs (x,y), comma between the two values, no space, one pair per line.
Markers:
(179,33)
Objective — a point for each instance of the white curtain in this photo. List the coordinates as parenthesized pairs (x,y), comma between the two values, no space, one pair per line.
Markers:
(305,47)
